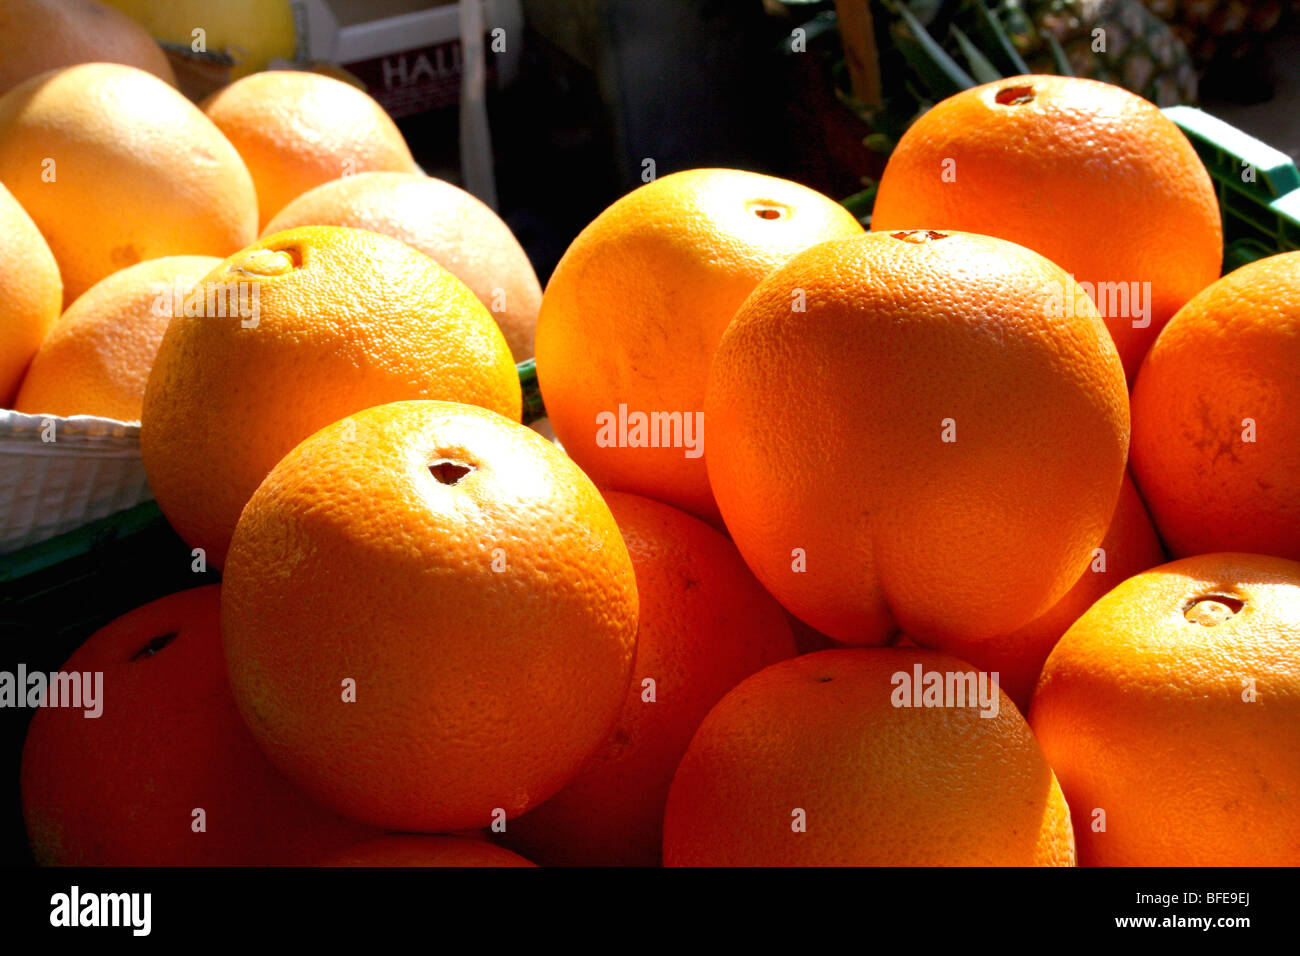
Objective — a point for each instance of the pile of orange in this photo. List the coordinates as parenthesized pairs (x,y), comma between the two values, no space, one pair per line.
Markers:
(851,551)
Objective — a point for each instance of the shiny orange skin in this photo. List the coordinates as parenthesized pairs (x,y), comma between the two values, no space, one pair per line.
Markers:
(827,430)
(705,625)
(1092,176)
(449,225)
(1130,547)
(639,301)
(96,359)
(31,290)
(346,320)
(1228,363)
(121,789)
(879,785)
(438,851)
(1144,711)
(489,624)
(40,35)
(116,167)
(297,130)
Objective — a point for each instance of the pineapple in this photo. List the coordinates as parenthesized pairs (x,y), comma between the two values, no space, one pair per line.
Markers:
(1117,41)
(1227,41)
(1205,26)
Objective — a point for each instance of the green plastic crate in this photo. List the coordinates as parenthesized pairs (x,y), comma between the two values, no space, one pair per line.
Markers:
(1258,187)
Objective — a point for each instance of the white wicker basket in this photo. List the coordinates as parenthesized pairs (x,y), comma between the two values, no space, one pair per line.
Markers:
(57,474)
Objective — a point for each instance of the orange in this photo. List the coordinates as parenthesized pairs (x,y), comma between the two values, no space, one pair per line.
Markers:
(705,625)
(296,130)
(426,851)
(449,225)
(167,774)
(1216,416)
(636,306)
(340,320)
(900,425)
(30,289)
(1088,174)
(1130,547)
(429,617)
(1171,713)
(40,35)
(811,762)
(116,167)
(97,358)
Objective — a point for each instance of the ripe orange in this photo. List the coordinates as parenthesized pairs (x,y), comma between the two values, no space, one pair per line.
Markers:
(116,167)
(96,359)
(899,427)
(1216,416)
(634,310)
(1171,712)
(427,851)
(449,225)
(818,742)
(1088,174)
(125,788)
(468,578)
(705,625)
(345,319)
(1130,547)
(30,289)
(296,130)
(40,35)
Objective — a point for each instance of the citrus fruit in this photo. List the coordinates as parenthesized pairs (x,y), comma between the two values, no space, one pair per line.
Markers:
(96,359)
(811,762)
(900,425)
(340,320)
(249,33)
(1130,547)
(296,130)
(115,167)
(40,35)
(705,625)
(429,616)
(166,774)
(449,225)
(1092,176)
(1216,416)
(636,306)
(30,289)
(404,850)
(1171,713)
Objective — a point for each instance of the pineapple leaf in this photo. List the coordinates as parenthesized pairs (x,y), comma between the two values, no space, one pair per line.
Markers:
(938,71)
(999,46)
(1059,58)
(980,68)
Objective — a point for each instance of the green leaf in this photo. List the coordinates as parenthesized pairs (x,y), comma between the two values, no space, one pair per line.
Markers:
(860,203)
(996,41)
(879,143)
(1058,55)
(981,69)
(933,66)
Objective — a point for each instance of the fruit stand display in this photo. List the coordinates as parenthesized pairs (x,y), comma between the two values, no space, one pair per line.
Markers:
(955,522)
